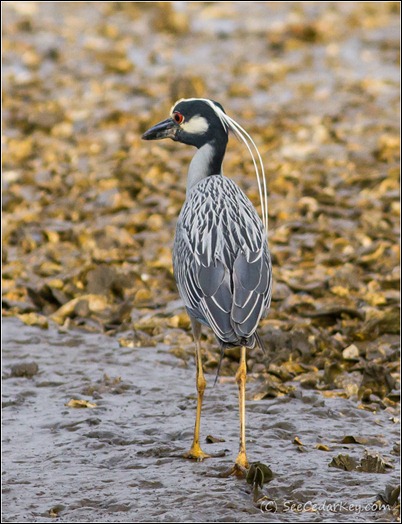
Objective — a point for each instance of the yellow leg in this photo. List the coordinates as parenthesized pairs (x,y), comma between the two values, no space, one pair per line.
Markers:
(241,465)
(195,450)
(241,375)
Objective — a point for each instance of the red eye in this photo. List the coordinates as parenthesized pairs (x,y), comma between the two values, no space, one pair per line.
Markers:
(178,117)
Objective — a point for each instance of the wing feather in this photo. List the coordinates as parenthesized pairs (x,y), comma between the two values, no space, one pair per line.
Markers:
(221,260)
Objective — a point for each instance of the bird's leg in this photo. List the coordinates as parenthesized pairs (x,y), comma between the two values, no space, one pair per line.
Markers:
(195,450)
(241,375)
(241,465)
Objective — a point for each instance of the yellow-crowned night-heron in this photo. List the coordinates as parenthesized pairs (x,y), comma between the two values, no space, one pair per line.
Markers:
(221,260)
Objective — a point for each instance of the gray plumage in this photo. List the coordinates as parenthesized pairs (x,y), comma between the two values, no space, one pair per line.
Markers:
(221,261)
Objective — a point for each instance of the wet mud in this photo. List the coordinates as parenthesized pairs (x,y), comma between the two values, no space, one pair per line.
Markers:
(120,460)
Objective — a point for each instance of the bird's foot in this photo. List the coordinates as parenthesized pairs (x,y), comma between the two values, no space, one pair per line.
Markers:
(240,467)
(196,453)
(236,470)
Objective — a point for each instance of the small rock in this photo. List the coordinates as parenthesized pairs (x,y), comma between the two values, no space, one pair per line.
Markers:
(25,369)
(351,353)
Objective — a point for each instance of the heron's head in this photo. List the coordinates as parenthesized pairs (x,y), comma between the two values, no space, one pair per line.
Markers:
(192,121)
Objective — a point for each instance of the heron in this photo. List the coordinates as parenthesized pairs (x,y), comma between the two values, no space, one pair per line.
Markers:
(221,261)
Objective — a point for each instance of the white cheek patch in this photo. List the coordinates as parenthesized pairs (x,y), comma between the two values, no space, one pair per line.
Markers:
(197,125)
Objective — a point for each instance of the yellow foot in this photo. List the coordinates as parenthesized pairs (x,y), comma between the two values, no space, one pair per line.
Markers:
(240,467)
(241,461)
(236,470)
(196,453)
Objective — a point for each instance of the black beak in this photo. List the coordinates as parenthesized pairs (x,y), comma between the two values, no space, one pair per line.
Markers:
(166,129)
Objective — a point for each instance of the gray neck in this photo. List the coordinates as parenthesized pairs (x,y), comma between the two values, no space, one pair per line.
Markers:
(202,165)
